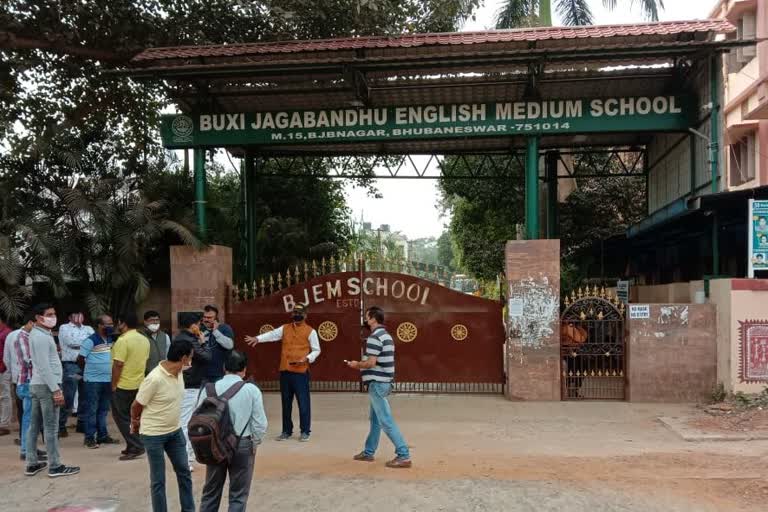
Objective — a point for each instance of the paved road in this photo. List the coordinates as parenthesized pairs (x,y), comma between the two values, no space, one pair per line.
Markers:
(470,454)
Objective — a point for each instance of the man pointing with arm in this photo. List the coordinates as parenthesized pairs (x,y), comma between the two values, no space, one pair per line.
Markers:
(301,348)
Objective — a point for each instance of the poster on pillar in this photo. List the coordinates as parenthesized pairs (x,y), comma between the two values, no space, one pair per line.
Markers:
(753,351)
(758,236)
(501,119)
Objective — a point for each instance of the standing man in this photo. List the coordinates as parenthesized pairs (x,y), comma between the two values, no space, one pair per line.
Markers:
(155,414)
(300,349)
(96,360)
(12,366)
(129,360)
(5,383)
(46,393)
(194,376)
(378,371)
(22,369)
(246,410)
(159,341)
(71,337)
(220,338)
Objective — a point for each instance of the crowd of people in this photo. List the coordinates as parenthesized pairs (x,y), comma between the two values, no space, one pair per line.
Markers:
(157,389)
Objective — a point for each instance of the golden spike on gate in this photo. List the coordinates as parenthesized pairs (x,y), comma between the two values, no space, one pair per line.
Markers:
(594,291)
(288,277)
(263,288)
(581,293)
(279,281)
(314,268)
(333,264)
(322,266)
(591,312)
(583,316)
(621,308)
(271,284)
(602,292)
(306,271)
(600,315)
(567,302)
(235,294)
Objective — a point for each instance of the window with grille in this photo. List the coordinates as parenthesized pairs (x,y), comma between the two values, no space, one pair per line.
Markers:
(742,160)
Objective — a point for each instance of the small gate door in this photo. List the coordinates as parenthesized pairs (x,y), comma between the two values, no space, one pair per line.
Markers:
(592,346)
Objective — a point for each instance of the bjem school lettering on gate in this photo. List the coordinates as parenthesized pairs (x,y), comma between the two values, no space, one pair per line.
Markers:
(375,287)
(645,113)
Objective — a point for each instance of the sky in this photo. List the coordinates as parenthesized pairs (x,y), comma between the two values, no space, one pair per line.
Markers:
(410,206)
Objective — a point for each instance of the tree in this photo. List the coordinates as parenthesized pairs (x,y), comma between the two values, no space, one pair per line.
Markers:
(67,128)
(529,13)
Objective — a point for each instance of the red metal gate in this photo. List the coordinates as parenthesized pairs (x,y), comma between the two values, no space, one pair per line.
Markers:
(446,341)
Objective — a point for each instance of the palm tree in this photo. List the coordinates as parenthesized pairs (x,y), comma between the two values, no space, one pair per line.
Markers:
(528,13)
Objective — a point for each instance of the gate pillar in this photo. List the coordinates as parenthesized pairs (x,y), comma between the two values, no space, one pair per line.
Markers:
(533,320)
(199,278)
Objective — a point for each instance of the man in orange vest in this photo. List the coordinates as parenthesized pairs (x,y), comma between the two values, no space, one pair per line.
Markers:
(300,349)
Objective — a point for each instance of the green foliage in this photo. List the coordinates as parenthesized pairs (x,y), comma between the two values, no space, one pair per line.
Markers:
(525,13)
(719,394)
(87,192)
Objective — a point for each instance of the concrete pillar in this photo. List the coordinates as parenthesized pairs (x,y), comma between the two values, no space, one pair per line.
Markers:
(199,278)
(533,317)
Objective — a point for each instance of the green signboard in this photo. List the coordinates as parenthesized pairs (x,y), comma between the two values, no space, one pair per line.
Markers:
(659,113)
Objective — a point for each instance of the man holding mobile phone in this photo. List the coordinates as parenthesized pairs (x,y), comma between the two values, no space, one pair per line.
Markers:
(378,371)
(301,347)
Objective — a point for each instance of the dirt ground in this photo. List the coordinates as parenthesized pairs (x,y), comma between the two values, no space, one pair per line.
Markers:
(471,453)
(725,418)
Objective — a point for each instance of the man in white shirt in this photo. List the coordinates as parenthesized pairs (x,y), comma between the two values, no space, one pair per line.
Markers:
(300,348)
(12,366)
(71,337)
(246,411)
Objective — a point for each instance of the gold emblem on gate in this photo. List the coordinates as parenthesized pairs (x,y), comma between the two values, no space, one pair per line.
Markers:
(459,332)
(407,332)
(327,331)
(266,328)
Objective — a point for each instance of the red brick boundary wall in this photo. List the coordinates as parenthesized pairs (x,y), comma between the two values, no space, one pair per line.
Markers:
(672,356)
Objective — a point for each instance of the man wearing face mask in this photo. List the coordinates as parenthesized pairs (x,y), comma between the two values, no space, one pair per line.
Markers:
(159,341)
(301,348)
(194,372)
(220,339)
(71,337)
(46,395)
(96,360)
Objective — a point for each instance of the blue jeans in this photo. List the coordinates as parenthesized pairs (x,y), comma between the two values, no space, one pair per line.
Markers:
(22,391)
(98,398)
(174,445)
(46,413)
(295,384)
(70,385)
(381,419)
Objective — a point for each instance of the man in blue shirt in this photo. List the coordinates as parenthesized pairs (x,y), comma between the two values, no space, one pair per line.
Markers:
(220,339)
(96,360)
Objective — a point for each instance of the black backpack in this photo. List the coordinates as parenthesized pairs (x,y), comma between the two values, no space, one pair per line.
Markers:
(210,429)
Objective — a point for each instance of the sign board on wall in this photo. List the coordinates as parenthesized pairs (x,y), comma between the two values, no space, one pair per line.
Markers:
(639,311)
(622,291)
(659,113)
(753,351)
(757,230)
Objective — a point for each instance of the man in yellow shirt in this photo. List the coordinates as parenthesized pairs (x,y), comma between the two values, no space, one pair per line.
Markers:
(129,360)
(156,415)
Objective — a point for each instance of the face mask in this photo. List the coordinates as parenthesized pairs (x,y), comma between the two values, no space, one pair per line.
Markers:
(153,327)
(109,330)
(298,318)
(49,321)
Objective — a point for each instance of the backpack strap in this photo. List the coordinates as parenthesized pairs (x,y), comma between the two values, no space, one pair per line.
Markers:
(210,390)
(232,391)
